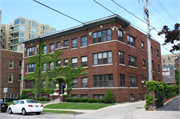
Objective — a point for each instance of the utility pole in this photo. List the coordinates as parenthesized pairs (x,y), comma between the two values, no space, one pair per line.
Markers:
(146,10)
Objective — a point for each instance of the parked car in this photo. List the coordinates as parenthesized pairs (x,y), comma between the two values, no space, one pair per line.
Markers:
(25,106)
(4,106)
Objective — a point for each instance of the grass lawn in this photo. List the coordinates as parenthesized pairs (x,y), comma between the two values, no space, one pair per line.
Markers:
(58,111)
(88,106)
(43,102)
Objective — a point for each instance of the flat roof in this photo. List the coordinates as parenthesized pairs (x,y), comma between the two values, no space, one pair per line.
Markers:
(111,18)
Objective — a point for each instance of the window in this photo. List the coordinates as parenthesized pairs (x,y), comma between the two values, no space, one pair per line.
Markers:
(65,62)
(152,65)
(74,96)
(19,77)
(15,40)
(21,34)
(30,84)
(58,44)
(66,43)
(22,21)
(32,36)
(122,80)
(139,96)
(11,64)
(144,81)
(16,28)
(32,30)
(44,66)
(101,36)
(84,41)
(16,34)
(45,50)
(20,64)
(43,96)
(84,96)
(103,80)
(103,58)
(142,44)
(169,58)
(17,21)
(16,95)
(158,68)
(84,82)
(30,96)
(52,66)
(157,52)
(120,35)
(54,30)
(33,23)
(32,51)
(74,43)
(98,96)
(51,48)
(30,67)
(9,95)
(121,57)
(22,27)
(132,60)
(10,78)
(58,63)
(84,61)
(12,95)
(14,47)
(47,28)
(74,62)
(132,81)
(144,63)
(74,83)
(44,84)
(151,50)
(131,40)
(51,83)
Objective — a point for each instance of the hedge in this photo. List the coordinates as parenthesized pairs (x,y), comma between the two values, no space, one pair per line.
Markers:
(92,100)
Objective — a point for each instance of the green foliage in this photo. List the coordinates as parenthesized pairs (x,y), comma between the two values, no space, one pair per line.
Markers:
(177,76)
(75,99)
(92,100)
(68,99)
(99,100)
(23,94)
(83,99)
(108,97)
(43,99)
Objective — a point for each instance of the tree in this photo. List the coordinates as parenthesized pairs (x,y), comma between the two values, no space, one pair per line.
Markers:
(108,97)
(171,36)
(177,76)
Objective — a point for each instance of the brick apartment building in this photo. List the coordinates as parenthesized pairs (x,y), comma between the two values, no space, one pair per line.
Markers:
(11,73)
(114,52)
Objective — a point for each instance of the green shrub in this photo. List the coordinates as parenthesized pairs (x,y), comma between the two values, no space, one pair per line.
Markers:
(108,97)
(46,99)
(65,96)
(68,99)
(75,99)
(83,99)
(23,95)
(99,100)
(92,100)
(173,94)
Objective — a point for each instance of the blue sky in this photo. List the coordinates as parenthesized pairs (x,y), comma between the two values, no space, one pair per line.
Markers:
(87,10)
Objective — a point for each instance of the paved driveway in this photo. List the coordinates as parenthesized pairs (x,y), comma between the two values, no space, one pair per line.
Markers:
(173,105)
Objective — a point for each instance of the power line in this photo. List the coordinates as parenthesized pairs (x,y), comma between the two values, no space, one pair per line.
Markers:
(161,15)
(58,12)
(133,25)
(166,11)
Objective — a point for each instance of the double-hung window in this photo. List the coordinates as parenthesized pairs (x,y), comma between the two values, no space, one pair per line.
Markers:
(158,68)
(157,52)
(142,44)
(44,84)
(122,80)
(84,61)
(121,57)
(30,67)
(84,41)
(65,62)
(102,36)
(120,35)
(131,40)
(51,48)
(132,60)
(29,84)
(66,43)
(45,50)
(10,78)
(84,82)
(44,66)
(58,63)
(11,64)
(144,63)
(103,80)
(74,83)
(19,78)
(32,51)
(132,81)
(103,58)
(58,45)
(52,66)
(74,43)
(74,62)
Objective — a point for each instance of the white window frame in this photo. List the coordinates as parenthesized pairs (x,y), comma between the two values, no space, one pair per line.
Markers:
(12,65)
(11,78)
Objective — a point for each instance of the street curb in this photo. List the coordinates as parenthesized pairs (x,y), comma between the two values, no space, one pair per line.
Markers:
(171,99)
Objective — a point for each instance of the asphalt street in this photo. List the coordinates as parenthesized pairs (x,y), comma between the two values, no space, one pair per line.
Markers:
(173,105)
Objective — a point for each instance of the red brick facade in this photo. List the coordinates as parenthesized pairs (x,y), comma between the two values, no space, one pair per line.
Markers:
(121,94)
(14,85)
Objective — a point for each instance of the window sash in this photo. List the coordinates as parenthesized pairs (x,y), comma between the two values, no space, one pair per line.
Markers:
(74,83)
(122,80)
(102,36)
(103,58)
(66,43)
(120,35)
(131,41)
(103,80)
(132,60)
(52,48)
(74,43)
(132,81)
(84,82)
(84,41)
(52,66)
(45,50)
(58,44)
(121,57)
